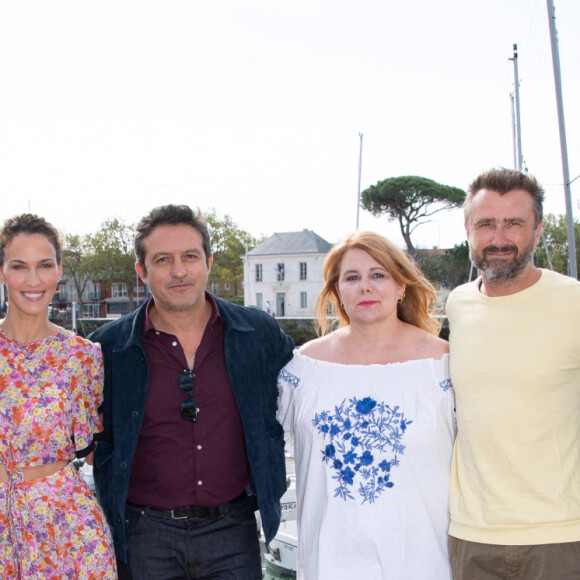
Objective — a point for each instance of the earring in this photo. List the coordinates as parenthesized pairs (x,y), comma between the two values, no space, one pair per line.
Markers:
(401,298)
(342,305)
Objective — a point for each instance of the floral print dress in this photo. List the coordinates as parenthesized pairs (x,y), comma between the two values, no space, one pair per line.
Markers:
(51,527)
(373,446)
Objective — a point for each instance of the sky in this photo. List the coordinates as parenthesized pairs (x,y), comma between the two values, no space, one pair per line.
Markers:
(255,107)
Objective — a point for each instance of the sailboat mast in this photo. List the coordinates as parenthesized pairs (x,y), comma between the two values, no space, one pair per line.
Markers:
(520,155)
(515,146)
(572,263)
(359,175)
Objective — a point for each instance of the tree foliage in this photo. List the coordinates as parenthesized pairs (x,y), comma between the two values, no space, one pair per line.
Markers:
(448,270)
(456,265)
(229,245)
(556,238)
(78,264)
(111,255)
(410,200)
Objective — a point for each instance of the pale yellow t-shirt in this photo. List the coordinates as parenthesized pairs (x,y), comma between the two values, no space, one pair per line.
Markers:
(515,367)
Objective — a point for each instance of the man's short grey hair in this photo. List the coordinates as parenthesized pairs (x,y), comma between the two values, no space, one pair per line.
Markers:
(503,181)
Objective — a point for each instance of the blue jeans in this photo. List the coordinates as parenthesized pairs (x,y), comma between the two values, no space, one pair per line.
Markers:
(161,548)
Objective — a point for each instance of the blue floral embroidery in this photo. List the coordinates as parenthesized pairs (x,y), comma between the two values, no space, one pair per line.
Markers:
(446,384)
(363,444)
(289,378)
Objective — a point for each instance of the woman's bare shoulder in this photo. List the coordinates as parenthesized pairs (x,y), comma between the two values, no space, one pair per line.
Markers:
(321,348)
(430,346)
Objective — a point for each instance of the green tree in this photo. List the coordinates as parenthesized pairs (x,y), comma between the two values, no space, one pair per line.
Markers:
(112,256)
(448,270)
(229,244)
(431,266)
(456,266)
(78,264)
(410,200)
(556,238)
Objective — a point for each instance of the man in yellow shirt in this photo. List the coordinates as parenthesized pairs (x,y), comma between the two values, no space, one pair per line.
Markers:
(515,367)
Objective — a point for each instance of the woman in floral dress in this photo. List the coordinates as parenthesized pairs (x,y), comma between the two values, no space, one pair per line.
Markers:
(50,388)
(368,410)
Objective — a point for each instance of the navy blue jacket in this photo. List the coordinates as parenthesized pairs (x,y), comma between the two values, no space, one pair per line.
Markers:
(255,350)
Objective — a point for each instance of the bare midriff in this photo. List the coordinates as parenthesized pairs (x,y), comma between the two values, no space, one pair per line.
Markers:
(35,472)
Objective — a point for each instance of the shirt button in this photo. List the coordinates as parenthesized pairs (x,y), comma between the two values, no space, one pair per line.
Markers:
(157,333)
(200,482)
(173,343)
(199,447)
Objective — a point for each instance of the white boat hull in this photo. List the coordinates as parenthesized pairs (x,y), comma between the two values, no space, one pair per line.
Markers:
(281,554)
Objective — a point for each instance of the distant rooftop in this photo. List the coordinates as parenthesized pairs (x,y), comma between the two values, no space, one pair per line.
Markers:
(304,242)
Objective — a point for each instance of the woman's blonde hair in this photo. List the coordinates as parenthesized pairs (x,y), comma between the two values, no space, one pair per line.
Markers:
(420,296)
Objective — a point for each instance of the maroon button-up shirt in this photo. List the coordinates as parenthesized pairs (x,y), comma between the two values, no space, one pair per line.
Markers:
(177,462)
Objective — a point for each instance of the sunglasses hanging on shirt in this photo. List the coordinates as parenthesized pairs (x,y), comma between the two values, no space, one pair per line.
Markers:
(188,408)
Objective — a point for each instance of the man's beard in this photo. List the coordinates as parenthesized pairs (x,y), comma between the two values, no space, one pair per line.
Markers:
(503,269)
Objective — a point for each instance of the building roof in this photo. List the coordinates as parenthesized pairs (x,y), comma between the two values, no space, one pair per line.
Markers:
(304,242)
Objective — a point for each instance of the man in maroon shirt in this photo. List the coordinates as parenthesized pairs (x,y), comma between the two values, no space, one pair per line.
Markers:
(191,446)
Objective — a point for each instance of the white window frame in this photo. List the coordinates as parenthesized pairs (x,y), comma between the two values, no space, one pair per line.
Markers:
(91,310)
(119,290)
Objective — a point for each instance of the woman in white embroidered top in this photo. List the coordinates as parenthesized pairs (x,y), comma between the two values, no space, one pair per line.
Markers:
(369,411)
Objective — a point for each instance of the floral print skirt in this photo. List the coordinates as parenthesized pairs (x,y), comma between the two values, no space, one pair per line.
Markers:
(52,528)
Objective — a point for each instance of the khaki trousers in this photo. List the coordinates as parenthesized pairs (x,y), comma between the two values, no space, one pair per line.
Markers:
(474,561)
